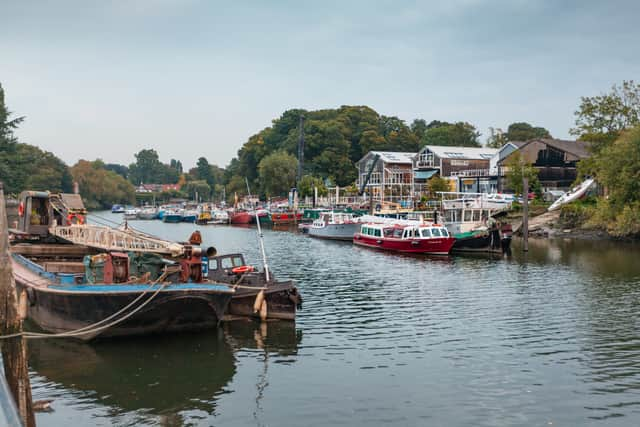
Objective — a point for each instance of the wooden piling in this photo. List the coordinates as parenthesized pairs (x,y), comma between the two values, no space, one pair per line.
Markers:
(14,350)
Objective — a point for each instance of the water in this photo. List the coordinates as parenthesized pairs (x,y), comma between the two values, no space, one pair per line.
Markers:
(550,338)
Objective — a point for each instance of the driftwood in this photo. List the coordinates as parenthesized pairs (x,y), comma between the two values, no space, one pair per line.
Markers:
(14,350)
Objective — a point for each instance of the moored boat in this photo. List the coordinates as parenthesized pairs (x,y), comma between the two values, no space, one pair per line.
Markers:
(241,217)
(285,217)
(334,226)
(117,209)
(172,215)
(98,281)
(148,213)
(131,213)
(423,238)
(280,298)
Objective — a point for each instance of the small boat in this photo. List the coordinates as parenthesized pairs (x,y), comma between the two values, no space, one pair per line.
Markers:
(148,213)
(172,216)
(189,215)
(280,298)
(285,217)
(117,209)
(334,226)
(262,215)
(241,217)
(425,238)
(219,216)
(572,195)
(131,213)
(99,282)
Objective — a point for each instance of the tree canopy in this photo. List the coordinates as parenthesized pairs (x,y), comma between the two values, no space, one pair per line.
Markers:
(277,173)
(451,134)
(148,169)
(100,188)
(522,131)
(601,119)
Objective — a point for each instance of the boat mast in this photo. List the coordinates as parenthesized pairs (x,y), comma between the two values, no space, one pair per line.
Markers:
(260,240)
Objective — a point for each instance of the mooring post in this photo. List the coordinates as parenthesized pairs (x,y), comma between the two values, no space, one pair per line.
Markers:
(14,350)
(525,214)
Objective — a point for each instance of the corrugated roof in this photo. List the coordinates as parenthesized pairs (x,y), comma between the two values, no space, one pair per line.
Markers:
(579,149)
(469,153)
(395,156)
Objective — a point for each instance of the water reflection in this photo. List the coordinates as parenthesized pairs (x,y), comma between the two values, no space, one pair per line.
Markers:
(166,379)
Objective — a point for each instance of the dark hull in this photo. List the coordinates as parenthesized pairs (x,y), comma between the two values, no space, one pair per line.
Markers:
(482,244)
(282,299)
(172,310)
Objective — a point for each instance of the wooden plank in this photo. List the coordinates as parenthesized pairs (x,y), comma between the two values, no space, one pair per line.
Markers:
(64,267)
(51,250)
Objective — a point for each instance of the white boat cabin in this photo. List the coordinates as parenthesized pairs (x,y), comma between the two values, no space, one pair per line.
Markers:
(407,232)
(330,217)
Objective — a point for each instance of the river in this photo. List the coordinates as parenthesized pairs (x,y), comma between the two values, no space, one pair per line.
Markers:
(551,337)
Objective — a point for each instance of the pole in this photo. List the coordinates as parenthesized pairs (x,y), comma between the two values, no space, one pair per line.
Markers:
(264,255)
(525,213)
(300,152)
(14,350)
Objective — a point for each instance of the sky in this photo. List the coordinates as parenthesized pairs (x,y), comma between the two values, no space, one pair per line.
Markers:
(191,78)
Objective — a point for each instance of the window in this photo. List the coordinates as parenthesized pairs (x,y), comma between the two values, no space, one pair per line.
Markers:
(444,231)
(424,232)
(459,163)
(213,264)
(378,233)
(476,215)
(467,216)
(435,232)
(397,233)
(426,159)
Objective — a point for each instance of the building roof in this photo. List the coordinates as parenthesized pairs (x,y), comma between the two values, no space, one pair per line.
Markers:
(394,156)
(469,153)
(579,149)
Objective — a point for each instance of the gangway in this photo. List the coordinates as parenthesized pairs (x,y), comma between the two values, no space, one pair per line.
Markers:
(111,239)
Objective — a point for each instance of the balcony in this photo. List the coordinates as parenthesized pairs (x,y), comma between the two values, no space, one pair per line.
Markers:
(471,173)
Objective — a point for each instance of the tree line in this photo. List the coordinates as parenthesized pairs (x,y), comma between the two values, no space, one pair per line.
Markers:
(334,140)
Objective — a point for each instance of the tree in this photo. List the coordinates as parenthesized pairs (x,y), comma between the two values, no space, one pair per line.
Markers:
(437,184)
(100,188)
(522,131)
(277,173)
(496,138)
(459,134)
(7,125)
(149,170)
(307,184)
(198,188)
(203,171)
(419,127)
(517,169)
(601,119)
(121,170)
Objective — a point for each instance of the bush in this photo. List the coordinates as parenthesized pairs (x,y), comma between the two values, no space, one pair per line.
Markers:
(575,215)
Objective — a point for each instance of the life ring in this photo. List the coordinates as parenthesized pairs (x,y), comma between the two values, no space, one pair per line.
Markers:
(21,209)
(79,219)
(242,269)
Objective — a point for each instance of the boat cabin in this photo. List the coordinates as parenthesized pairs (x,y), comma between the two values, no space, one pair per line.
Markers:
(423,231)
(40,210)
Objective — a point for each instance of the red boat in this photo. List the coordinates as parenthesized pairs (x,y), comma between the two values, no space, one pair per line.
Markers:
(420,238)
(288,217)
(241,217)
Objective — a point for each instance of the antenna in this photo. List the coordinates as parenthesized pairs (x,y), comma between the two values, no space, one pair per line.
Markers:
(260,240)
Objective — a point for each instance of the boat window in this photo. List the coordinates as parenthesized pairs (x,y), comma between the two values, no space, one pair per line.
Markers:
(476,215)
(467,215)
(397,233)
(425,232)
(444,231)
(435,232)
(213,264)
(388,232)
(238,261)
(378,232)
(227,263)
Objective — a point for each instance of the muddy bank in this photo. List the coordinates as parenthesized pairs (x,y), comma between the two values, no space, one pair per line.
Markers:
(550,225)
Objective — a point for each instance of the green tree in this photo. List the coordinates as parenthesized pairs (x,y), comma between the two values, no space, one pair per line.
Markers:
(517,169)
(121,170)
(522,131)
(496,138)
(7,124)
(437,184)
(601,119)
(198,188)
(307,184)
(100,188)
(458,134)
(277,173)
(419,127)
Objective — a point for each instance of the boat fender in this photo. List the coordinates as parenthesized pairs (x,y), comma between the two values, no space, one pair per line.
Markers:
(263,310)
(21,209)
(22,305)
(257,305)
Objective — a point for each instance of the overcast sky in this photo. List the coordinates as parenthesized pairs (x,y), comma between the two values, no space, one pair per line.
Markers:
(194,78)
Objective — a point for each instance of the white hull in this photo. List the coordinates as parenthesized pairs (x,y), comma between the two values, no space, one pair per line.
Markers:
(573,195)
